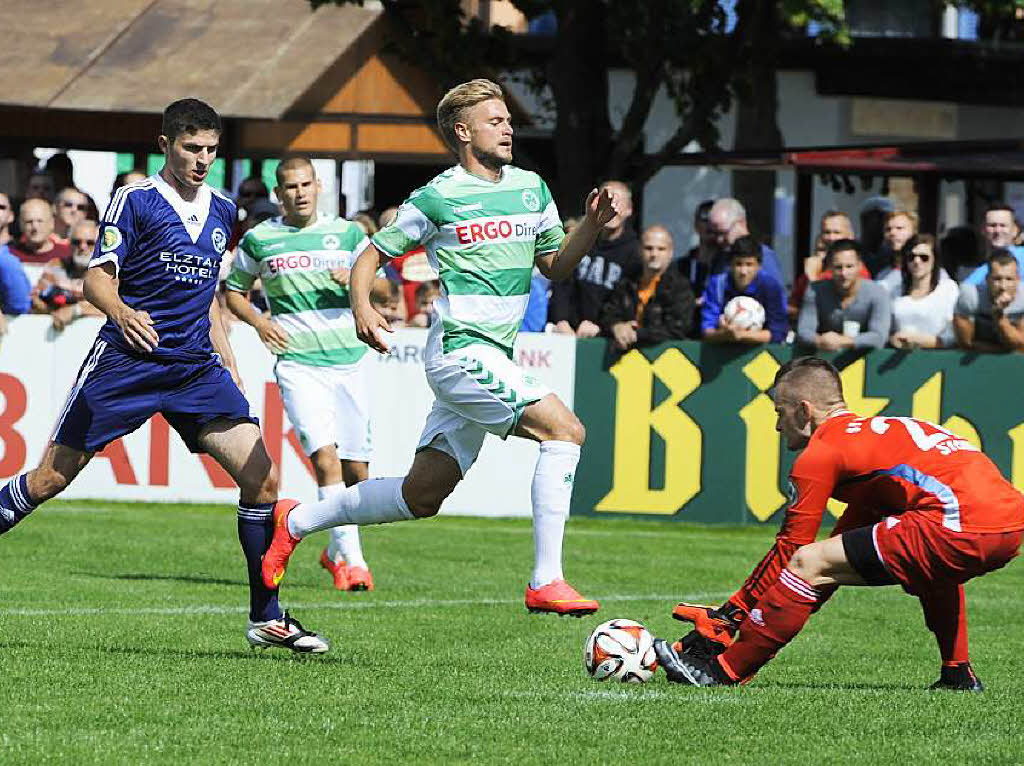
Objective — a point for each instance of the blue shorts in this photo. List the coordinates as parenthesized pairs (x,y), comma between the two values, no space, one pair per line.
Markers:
(116,392)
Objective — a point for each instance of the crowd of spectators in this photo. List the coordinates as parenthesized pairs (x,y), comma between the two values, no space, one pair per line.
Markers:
(891,285)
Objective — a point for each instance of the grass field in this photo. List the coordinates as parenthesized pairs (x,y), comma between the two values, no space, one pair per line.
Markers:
(121,641)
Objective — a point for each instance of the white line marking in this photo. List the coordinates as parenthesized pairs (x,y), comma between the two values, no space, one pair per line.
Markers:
(333,605)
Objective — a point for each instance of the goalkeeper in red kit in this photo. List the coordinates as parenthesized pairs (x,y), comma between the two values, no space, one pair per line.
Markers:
(926,511)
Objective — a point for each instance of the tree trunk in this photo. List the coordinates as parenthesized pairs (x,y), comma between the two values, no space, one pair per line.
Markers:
(578,75)
(757,124)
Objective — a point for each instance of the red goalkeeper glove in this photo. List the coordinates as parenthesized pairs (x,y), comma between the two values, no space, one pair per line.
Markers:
(714,628)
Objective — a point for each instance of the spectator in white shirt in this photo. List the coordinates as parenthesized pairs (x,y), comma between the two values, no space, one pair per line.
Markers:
(922,309)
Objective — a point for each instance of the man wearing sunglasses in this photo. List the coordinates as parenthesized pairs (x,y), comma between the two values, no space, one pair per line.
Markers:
(70,209)
(59,291)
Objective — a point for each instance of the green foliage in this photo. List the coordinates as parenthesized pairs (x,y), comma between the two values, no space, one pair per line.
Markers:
(121,641)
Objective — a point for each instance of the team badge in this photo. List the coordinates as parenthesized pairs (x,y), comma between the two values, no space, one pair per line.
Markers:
(219,239)
(791,491)
(111,239)
(531,200)
(331,242)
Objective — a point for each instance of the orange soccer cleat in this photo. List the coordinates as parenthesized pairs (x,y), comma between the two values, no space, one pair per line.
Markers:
(359,578)
(559,597)
(339,570)
(275,560)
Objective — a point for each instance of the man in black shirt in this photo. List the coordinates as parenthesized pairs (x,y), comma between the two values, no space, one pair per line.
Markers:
(575,305)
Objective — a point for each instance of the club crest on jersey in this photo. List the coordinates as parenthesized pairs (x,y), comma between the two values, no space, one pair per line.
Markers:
(219,239)
(531,200)
(331,242)
(111,239)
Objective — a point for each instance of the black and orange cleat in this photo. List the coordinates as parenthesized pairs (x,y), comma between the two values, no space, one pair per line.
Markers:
(958,678)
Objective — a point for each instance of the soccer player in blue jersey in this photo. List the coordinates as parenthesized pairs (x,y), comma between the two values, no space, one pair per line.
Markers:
(163,350)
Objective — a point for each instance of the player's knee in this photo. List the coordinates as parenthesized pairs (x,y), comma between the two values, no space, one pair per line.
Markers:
(423,507)
(570,429)
(260,486)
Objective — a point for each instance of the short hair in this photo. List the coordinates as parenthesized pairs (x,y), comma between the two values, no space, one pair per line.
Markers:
(290,163)
(425,288)
(812,378)
(912,217)
(621,184)
(746,247)
(188,115)
(836,214)
(1001,207)
(661,228)
(842,246)
(731,207)
(1002,257)
(703,210)
(908,248)
(463,96)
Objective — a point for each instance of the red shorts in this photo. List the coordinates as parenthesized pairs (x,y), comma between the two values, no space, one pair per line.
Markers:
(919,553)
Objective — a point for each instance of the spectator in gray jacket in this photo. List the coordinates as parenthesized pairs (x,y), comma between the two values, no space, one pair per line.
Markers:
(846,311)
(990,317)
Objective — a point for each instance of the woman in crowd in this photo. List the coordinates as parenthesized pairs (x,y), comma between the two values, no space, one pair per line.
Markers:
(922,310)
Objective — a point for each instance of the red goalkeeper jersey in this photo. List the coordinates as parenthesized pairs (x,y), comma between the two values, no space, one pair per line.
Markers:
(886,466)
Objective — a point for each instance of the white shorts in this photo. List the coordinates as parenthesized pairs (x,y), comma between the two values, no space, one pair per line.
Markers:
(478,390)
(328,405)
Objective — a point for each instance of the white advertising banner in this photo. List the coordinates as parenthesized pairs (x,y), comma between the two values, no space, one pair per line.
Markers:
(38,367)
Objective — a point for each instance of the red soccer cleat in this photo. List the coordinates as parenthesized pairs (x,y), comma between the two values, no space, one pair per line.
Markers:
(559,597)
(339,570)
(275,560)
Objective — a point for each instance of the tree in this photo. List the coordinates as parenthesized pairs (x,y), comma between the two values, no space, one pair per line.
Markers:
(694,50)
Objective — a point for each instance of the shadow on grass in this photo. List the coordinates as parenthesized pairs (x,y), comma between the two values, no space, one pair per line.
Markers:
(192,654)
(859,686)
(144,576)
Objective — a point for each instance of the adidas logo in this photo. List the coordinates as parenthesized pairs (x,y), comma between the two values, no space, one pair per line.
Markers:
(193,218)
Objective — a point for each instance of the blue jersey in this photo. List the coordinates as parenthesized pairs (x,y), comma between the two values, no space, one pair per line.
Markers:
(167,253)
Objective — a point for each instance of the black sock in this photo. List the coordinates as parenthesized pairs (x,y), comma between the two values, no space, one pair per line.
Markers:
(255,530)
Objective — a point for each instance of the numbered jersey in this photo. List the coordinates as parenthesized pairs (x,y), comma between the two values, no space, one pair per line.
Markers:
(897,465)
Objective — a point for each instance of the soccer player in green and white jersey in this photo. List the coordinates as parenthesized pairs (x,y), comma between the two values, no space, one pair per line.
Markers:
(484,224)
(303,260)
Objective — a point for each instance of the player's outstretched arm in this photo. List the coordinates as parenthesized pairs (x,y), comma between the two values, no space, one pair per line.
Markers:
(270,332)
(100,290)
(600,207)
(368,319)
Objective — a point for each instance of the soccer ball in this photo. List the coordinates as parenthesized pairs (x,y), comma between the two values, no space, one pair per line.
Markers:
(744,312)
(621,649)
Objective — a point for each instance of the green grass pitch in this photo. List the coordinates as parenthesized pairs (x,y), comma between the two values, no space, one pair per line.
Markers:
(121,641)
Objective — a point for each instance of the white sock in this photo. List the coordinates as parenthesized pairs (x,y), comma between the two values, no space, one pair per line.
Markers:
(374,501)
(344,544)
(551,492)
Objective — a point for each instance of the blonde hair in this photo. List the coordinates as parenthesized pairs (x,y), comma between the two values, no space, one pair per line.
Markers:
(460,98)
(912,217)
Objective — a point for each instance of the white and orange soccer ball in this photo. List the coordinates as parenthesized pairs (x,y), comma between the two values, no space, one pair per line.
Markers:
(621,649)
(744,313)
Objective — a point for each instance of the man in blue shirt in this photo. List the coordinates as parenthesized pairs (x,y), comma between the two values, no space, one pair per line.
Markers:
(14,285)
(163,350)
(1000,231)
(744,277)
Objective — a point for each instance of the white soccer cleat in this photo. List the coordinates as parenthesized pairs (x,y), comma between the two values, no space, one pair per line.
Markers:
(285,633)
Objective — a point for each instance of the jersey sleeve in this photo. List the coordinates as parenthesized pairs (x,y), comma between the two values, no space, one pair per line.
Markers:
(118,230)
(812,481)
(549,231)
(244,268)
(414,225)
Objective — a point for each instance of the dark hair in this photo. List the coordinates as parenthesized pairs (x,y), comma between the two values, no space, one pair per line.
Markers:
(842,246)
(119,178)
(806,368)
(703,210)
(745,247)
(291,162)
(1003,257)
(431,285)
(188,115)
(907,249)
(960,247)
(1001,207)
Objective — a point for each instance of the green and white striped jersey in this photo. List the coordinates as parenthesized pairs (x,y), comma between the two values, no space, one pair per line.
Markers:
(294,267)
(482,238)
